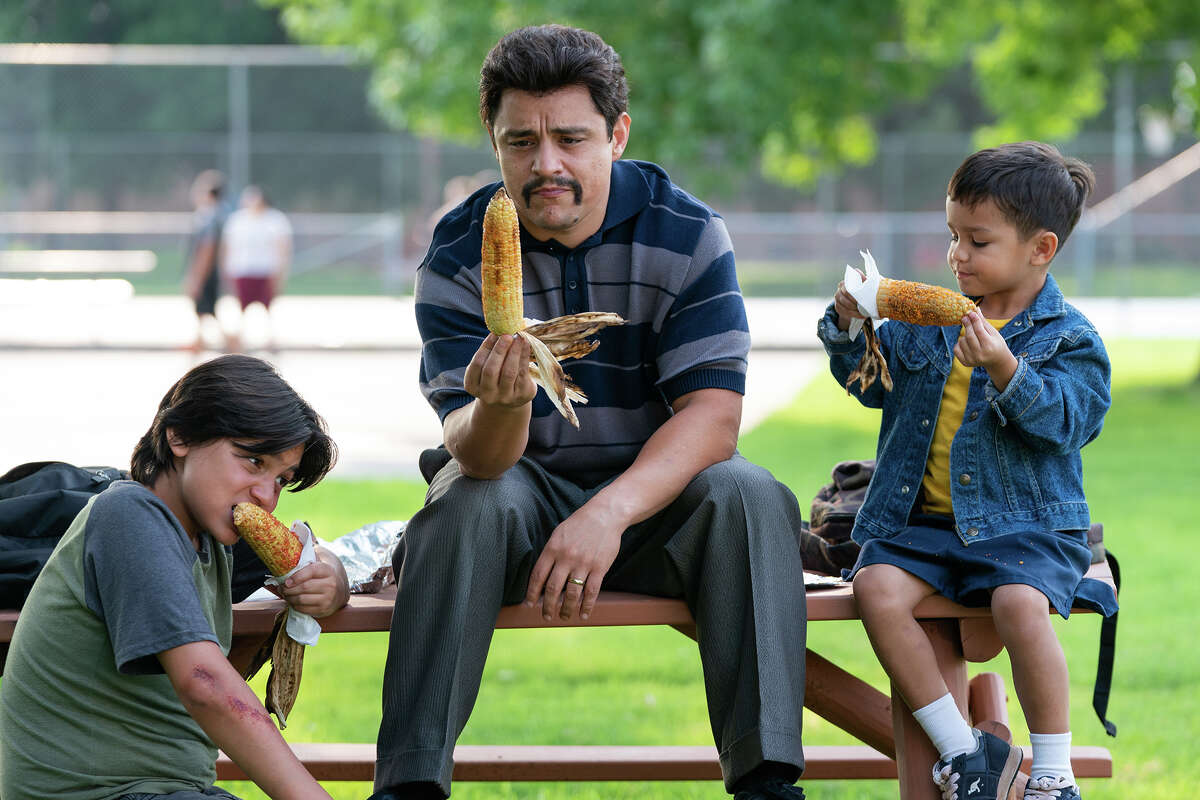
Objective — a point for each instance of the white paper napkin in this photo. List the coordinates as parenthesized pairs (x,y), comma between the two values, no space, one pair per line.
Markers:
(301,627)
(863,290)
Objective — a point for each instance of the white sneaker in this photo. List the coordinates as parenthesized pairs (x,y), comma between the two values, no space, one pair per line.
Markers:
(1047,788)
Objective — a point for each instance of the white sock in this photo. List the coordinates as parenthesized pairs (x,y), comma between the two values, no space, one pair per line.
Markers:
(943,723)
(1051,756)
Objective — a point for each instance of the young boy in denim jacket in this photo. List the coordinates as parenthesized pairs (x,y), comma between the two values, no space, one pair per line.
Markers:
(978,492)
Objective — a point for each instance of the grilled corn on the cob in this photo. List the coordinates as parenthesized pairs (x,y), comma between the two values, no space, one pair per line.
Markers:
(269,538)
(503,305)
(280,550)
(504,308)
(905,301)
(921,303)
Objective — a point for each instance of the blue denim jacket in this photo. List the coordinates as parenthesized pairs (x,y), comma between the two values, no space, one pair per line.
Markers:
(1014,462)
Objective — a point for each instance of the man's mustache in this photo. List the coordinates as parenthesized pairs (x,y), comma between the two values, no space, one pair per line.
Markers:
(566,183)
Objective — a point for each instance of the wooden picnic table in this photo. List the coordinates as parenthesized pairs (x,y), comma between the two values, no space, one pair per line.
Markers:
(894,745)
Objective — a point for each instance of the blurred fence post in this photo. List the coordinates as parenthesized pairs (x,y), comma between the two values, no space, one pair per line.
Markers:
(1085,257)
(239,125)
(1124,131)
(394,268)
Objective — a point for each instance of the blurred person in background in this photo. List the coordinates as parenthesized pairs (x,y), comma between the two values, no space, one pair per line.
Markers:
(202,279)
(256,251)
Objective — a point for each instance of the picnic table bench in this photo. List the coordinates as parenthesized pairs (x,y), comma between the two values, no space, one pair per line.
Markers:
(894,746)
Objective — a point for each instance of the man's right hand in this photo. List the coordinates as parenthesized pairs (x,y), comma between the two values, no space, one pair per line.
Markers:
(488,435)
(498,375)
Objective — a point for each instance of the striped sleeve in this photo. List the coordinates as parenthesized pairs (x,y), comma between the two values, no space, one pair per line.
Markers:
(705,338)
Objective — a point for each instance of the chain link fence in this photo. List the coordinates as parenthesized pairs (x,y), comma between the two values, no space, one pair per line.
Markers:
(99,146)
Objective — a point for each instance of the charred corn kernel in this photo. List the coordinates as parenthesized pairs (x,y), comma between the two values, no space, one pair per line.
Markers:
(503,305)
(269,538)
(920,303)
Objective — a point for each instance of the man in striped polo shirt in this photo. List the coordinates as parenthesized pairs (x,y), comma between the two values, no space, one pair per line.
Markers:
(649,494)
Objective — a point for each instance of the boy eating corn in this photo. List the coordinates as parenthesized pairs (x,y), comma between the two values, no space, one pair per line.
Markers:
(978,491)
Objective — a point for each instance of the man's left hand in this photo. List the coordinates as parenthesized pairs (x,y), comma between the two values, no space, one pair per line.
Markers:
(566,577)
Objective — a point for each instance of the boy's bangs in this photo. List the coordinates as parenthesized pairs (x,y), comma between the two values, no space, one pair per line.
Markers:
(316,460)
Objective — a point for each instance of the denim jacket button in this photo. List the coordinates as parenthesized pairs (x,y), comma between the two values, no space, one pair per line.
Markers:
(924,423)
(974,415)
(903,490)
(972,531)
(964,479)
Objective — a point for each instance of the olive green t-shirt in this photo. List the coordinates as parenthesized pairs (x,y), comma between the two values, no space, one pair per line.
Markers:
(86,711)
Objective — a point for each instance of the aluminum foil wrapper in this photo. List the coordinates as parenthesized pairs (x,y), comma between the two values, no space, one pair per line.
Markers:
(366,554)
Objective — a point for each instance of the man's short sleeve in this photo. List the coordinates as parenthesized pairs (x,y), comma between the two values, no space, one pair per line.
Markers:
(139,579)
(705,342)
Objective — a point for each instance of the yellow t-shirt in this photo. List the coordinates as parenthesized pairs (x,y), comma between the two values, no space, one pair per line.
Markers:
(935,485)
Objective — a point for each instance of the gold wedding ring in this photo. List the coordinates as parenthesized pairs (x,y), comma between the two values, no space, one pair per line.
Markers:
(577,581)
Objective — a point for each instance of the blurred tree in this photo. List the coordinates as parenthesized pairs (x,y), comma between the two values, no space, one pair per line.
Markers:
(140,22)
(1043,67)
(793,86)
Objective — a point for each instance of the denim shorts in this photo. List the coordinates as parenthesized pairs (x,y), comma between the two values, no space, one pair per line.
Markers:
(1053,562)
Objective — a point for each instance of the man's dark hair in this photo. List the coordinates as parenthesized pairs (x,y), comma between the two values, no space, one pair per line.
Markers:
(240,398)
(544,58)
(1034,186)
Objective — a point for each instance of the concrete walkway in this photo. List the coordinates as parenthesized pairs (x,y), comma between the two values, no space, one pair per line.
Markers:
(82,376)
(81,372)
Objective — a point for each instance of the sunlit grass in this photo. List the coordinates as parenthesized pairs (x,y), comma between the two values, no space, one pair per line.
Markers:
(643,685)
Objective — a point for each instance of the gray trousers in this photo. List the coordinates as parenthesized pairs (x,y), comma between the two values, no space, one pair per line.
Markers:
(727,545)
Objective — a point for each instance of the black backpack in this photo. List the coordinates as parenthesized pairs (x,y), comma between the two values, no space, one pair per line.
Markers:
(38,502)
(825,544)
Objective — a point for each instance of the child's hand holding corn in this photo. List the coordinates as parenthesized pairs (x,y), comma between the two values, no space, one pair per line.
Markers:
(981,345)
(846,306)
(318,589)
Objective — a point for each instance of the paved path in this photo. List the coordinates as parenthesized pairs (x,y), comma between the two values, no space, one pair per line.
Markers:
(81,381)
(81,374)
(90,407)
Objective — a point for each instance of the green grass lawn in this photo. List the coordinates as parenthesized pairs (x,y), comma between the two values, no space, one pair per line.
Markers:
(643,686)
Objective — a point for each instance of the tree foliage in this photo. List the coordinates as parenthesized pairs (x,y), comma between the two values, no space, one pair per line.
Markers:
(1044,67)
(794,86)
(139,22)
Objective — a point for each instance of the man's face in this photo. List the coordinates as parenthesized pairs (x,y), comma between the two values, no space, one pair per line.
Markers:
(556,159)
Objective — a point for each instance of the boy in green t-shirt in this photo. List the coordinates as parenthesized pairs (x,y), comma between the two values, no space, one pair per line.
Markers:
(117,682)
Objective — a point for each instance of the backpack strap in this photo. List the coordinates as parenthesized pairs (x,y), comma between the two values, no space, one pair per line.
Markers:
(1108,650)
